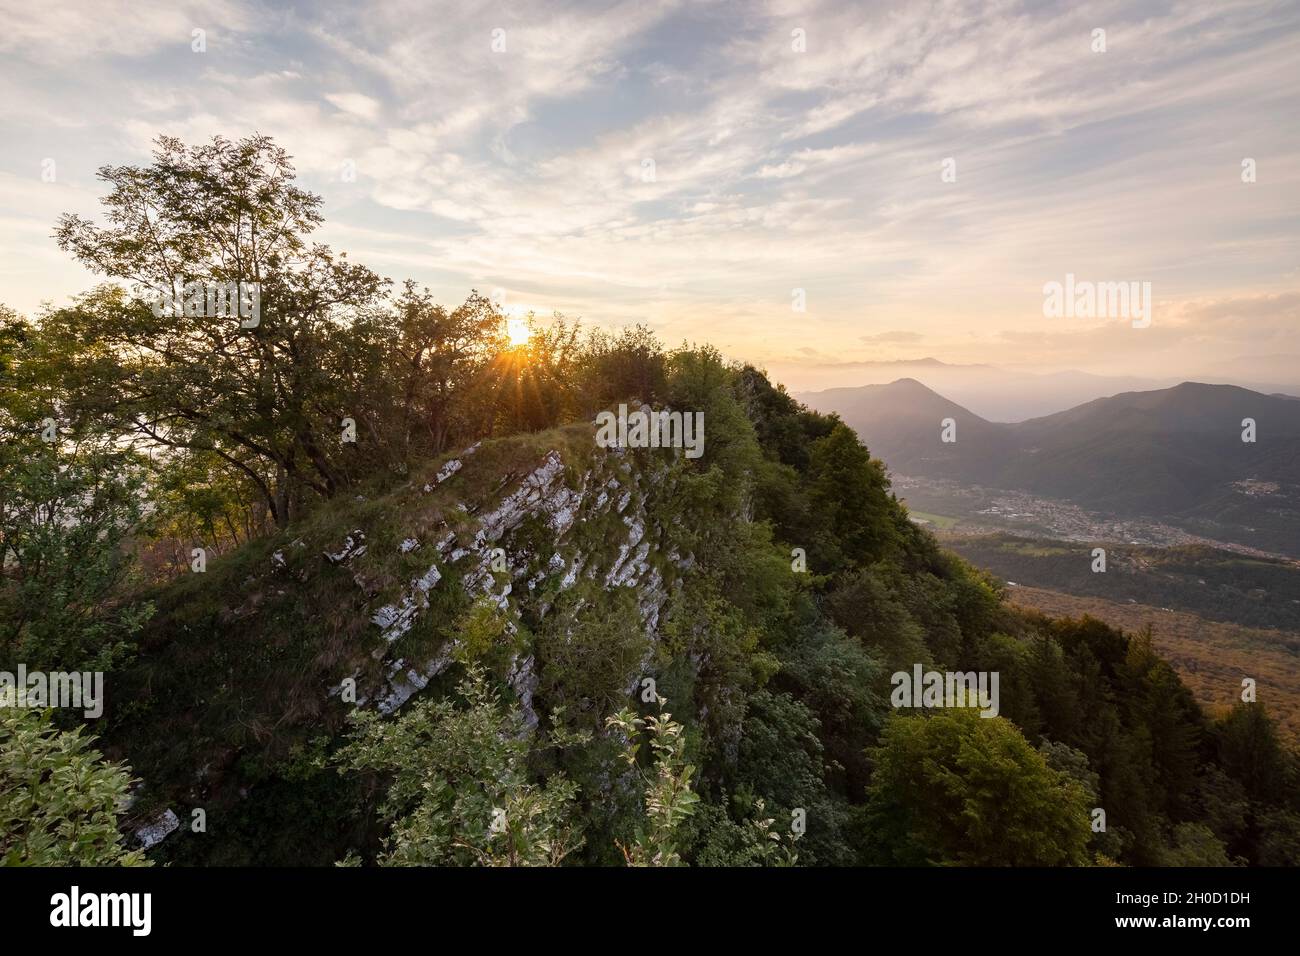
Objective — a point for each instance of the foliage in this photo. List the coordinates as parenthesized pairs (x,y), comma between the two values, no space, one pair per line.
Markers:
(669,799)
(957,788)
(754,840)
(66,509)
(588,657)
(459,791)
(779,669)
(59,799)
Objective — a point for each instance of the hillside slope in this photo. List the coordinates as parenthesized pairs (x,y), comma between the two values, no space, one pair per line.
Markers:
(250,658)
(506,602)
(1209,655)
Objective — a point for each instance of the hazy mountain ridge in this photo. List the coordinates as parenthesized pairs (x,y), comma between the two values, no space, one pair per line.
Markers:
(1174,453)
(1012,395)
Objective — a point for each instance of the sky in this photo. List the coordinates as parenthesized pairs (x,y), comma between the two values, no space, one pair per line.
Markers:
(812,187)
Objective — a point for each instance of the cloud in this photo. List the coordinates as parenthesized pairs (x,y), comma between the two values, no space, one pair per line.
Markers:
(54,35)
(358,104)
(686,166)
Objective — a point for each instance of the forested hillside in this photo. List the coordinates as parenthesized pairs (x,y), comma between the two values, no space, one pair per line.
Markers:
(367,590)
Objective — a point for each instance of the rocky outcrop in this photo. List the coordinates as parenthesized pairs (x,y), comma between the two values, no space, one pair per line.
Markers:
(488,558)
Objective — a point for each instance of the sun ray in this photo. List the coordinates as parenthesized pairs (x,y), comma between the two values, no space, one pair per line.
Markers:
(518,331)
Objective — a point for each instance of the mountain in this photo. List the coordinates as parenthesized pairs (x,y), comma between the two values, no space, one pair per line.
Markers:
(502,554)
(997,394)
(901,423)
(1176,454)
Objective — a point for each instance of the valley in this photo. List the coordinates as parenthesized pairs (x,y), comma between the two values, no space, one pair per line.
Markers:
(975,509)
(1167,466)
(1218,611)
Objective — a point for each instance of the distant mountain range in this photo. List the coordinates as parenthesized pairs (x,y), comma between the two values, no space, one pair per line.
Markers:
(1009,395)
(1175,454)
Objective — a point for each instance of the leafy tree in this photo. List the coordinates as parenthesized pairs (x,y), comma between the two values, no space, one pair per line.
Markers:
(703,626)
(1226,806)
(867,608)
(66,510)
(628,366)
(59,799)
(781,765)
(1053,683)
(840,683)
(1165,708)
(460,792)
(785,428)
(1194,844)
(957,788)
(755,840)
(441,359)
(1009,658)
(589,656)
(198,502)
(849,499)
(267,399)
(1110,843)
(1251,753)
(1279,839)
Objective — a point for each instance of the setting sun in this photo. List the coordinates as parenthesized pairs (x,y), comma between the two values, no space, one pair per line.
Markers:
(518,331)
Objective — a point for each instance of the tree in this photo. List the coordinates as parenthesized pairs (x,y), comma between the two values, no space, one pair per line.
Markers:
(867,608)
(1194,844)
(538,384)
(849,498)
(1251,754)
(780,762)
(957,788)
(197,501)
(459,791)
(755,840)
(624,367)
(441,359)
(588,652)
(840,682)
(59,799)
(264,393)
(69,500)
(1165,708)
(65,512)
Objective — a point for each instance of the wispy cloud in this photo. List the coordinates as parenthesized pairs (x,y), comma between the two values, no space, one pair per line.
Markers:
(691,165)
